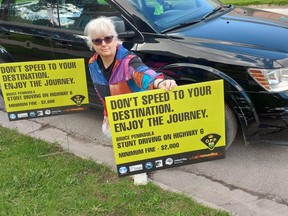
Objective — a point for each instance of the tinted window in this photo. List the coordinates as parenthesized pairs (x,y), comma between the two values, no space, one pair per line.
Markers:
(70,14)
(168,14)
(26,29)
(38,12)
(75,14)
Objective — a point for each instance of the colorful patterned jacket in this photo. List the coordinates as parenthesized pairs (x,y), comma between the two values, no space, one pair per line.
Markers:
(129,74)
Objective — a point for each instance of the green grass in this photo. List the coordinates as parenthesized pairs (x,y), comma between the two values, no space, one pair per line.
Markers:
(256,2)
(63,184)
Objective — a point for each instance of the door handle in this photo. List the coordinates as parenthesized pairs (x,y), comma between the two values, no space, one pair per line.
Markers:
(64,44)
(5,32)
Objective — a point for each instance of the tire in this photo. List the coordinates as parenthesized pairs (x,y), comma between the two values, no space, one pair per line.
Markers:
(231,126)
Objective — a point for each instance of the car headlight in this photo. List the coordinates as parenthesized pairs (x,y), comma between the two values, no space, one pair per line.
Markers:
(275,80)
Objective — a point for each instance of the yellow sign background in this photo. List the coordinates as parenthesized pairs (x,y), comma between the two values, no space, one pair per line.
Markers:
(42,84)
(159,123)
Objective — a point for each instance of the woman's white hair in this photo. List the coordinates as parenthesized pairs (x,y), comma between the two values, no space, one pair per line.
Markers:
(100,25)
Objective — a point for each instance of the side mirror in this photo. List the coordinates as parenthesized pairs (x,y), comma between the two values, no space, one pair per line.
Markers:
(120,28)
(126,34)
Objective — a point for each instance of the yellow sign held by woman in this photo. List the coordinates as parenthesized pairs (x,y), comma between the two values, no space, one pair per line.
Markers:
(160,129)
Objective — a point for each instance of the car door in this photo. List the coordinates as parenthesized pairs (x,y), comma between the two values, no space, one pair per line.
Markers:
(25,29)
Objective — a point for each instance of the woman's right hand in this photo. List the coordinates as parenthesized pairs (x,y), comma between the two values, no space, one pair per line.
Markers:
(168,84)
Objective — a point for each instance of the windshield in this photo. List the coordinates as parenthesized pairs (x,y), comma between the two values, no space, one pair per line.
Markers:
(167,14)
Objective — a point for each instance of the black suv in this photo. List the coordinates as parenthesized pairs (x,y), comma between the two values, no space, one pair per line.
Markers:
(189,40)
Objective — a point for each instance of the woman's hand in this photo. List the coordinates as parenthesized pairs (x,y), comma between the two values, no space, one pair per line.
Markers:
(106,127)
(165,84)
(106,121)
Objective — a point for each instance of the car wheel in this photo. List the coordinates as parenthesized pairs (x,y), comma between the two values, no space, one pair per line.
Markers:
(231,126)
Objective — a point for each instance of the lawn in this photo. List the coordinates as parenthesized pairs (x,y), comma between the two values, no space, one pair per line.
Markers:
(35,180)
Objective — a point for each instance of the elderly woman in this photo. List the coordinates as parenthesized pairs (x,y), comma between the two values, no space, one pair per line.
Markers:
(114,69)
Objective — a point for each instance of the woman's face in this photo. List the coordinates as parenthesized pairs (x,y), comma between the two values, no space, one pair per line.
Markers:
(105,44)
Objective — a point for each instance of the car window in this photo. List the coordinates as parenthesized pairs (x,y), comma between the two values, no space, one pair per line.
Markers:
(39,12)
(69,14)
(167,14)
(74,14)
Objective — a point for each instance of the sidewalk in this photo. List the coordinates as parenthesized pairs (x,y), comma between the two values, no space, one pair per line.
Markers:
(277,10)
(272,8)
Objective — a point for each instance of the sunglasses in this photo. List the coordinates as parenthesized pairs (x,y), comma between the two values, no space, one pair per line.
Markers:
(99,41)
